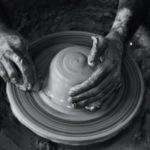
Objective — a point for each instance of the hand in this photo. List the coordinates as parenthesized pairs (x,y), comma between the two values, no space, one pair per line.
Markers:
(106,54)
(15,63)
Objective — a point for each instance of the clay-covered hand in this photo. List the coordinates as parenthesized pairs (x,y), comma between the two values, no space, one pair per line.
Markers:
(15,63)
(106,55)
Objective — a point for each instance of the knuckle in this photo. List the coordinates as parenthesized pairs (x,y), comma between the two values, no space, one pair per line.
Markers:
(7,53)
(12,74)
(2,73)
(96,90)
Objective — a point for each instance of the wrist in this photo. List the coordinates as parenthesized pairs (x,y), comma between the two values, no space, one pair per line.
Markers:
(114,35)
(120,27)
(117,42)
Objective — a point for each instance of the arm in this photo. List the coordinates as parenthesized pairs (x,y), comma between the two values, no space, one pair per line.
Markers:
(106,54)
(130,15)
(15,63)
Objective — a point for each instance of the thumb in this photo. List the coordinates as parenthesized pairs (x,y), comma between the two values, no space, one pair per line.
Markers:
(93,57)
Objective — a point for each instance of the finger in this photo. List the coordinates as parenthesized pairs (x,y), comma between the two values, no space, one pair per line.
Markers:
(104,96)
(25,67)
(94,52)
(93,107)
(100,97)
(10,69)
(98,42)
(3,73)
(110,80)
(94,91)
(101,72)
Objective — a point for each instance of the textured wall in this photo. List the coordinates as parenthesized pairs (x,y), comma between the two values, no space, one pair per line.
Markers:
(34,18)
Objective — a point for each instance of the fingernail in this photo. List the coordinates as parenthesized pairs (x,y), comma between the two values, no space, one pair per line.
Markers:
(21,61)
(91,63)
(74,105)
(91,108)
(29,87)
(13,80)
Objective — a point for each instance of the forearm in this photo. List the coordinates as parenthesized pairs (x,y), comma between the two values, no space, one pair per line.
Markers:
(129,17)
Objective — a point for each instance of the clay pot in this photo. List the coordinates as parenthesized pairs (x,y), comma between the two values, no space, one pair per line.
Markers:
(68,68)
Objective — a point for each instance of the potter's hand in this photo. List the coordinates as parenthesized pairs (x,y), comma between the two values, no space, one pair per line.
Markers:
(106,54)
(15,63)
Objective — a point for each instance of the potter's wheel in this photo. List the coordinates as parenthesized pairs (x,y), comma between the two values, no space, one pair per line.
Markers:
(70,126)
